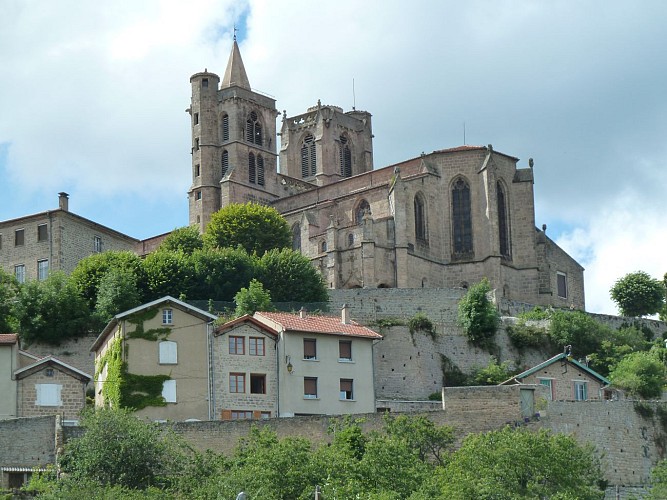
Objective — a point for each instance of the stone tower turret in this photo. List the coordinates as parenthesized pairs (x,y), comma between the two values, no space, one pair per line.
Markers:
(234,157)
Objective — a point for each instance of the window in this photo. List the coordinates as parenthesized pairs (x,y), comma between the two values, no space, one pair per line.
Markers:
(310,387)
(256,346)
(362,209)
(97,244)
(547,382)
(241,414)
(296,237)
(265,415)
(169,391)
(204,82)
(260,170)
(48,394)
(197,170)
(196,119)
(225,162)
(236,345)
(350,240)
(420,217)
(49,372)
(167,317)
(225,127)
(253,130)
(251,168)
(198,195)
(19,238)
(580,391)
(346,389)
(308,157)
(323,246)
(257,384)
(19,273)
(345,350)
(42,232)
(0,241)
(461,219)
(503,223)
(168,352)
(309,349)
(561,282)
(42,269)
(237,382)
(197,144)
(345,157)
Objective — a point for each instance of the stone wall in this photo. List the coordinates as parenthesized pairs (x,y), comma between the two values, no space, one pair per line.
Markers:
(74,352)
(72,394)
(28,442)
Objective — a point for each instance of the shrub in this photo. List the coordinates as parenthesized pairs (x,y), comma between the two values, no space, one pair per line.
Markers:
(420,323)
(477,315)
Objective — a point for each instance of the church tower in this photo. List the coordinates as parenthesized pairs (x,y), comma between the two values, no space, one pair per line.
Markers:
(234,156)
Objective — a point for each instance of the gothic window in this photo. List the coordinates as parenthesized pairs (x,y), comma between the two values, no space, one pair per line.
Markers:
(253,130)
(345,157)
(260,170)
(308,157)
(503,226)
(296,237)
(251,168)
(420,218)
(225,127)
(350,240)
(461,219)
(225,162)
(361,211)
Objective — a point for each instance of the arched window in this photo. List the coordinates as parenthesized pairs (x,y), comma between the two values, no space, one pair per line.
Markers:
(296,237)
(420,217)
(260,170)
(503,225)
(323,246)
(225,127)
(253,129)
(251,168)
(224,162)
(345,157)
(461,219)
(350,239)
(308,157)
(361,211)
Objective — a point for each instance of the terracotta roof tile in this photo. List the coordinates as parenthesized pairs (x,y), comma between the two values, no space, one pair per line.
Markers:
(318,324)
(8,338)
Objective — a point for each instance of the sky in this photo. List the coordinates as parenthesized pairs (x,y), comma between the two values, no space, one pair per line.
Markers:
(93,98)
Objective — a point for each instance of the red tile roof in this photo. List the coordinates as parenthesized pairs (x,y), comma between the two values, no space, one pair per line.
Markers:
(8,338)
(318,324)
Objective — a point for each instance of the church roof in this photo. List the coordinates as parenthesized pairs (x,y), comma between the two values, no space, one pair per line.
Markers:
(235,73)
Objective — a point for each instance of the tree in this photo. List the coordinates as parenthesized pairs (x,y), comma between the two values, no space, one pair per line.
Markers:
(117,292)
(659,481)
(118,449)
(578,329)
(637,294)
(51,311)
(252,299)
(640,374)
(518,463)
(290,277)
(492,374)
(257,228)
(477,315)
(169,273)
(8,292)
(221,272)
(185,239)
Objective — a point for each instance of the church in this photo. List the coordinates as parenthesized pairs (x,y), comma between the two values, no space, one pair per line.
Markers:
(445,219)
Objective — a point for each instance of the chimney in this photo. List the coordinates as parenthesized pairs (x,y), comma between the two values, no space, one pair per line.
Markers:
(345,315)
(63,201)
(302,312)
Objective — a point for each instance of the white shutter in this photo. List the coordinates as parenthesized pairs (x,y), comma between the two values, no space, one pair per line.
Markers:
(169,391)
(48,394)
(168,352)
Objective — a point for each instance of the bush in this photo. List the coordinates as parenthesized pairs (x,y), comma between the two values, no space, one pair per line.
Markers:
(420,323)
(252,299)
(492,374)
(477,315)
(640,374)
(525,336)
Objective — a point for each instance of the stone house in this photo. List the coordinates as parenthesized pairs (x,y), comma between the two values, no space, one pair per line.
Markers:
(34,386)
(566,379)
(279,364)
(444,219)
(155,358)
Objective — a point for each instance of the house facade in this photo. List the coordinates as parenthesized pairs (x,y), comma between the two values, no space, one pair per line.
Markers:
(280,364)
(155,358)
(566,379)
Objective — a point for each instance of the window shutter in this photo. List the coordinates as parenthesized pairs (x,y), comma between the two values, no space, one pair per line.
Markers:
(169,391)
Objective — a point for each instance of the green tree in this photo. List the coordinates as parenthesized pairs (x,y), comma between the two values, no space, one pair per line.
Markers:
(8,296)
(290,277)
(640,374)
(117,292)
(118,449)
(431,442)
(518,463)
(186,239)
(169,273)
(492,374)
(221,272)
(257,228)
(659,481)
(637,294)
(477,315)
(90,270)
(252,299)
(578,329)
(51,311)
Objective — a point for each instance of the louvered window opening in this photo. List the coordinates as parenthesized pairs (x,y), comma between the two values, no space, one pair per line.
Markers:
(260,170)
(308,157)
(420,219)
(225,127)
(461,219)
(251,168)
(296,237)
(225,162)
(503,227)
(345,158)
(253,130)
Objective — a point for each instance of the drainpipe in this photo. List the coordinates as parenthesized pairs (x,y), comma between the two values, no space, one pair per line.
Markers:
(278,377)
(209,360)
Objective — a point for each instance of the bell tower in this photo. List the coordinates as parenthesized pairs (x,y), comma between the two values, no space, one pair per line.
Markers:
(234,157)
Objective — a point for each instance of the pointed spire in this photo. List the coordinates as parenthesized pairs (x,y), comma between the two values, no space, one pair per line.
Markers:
(235,73)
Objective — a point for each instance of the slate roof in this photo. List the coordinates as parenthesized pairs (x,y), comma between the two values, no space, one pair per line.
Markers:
(331,325)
